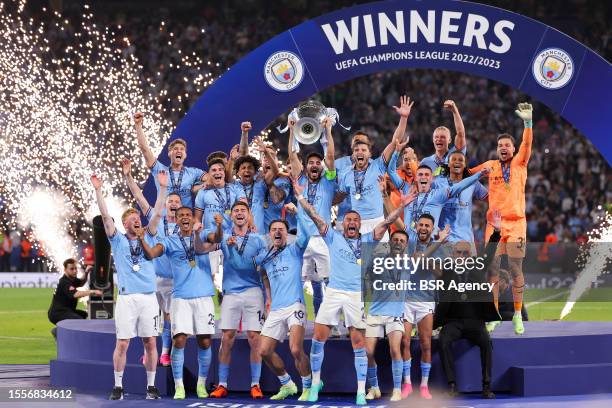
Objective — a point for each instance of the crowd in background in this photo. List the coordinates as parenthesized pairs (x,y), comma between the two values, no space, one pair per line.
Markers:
(568,179)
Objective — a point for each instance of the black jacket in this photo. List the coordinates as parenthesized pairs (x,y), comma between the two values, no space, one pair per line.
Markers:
(468,305)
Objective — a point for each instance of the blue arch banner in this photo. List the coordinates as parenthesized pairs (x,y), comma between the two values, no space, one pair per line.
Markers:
(460,36)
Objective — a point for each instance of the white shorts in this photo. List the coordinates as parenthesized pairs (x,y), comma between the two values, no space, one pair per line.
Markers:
(369,225)
(342,301)
(193,316)
(280,321)
(414,312)
(316,260)
(164,293)
(216,259)
(136,314)
(377,326)
(247,305)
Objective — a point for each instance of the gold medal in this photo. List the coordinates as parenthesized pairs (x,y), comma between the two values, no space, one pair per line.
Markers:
(412,225)
(359,261)
(192,263)
(266,205)
(507,186)
(227,212)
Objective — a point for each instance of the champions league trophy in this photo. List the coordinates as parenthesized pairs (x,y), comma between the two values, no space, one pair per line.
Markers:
(308,118)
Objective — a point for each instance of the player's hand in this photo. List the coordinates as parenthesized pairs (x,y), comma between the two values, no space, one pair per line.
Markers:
(410,197)
(95,292)
(291,123)
(411,155)
(139,232)
(218,219)
(268,304)
(96,182)
(290,208)
(485,172)
(405,106)
(260,145)
(327,123)
(162,178)
(138,119)
(126,166)
(496,220)
(245,127)
(235,152)
(231,241)
(382,185)
(88,269)
(400,146)
(524,111)
(443,234)
(198,227)
(449,104)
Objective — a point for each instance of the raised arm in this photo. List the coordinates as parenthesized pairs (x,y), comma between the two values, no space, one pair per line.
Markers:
(162,179)
(397,181)
(126,168)
(266,153)
(525,112)
(309,209)
(457,188)
(217,236)
(244,138)
(107,220)
(150,252)
(229,166)
(143,143)
(380,229)
(204,246)
(460,141)
(296,164)
(399,136)
(331,150)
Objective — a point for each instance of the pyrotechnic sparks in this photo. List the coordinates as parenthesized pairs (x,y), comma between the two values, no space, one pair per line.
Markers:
(597,255)
(66,114)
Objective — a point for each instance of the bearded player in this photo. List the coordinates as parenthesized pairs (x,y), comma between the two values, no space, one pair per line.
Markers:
(507,194)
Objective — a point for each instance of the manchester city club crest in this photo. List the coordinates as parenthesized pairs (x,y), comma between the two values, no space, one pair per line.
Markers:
(553,68)
(284,71)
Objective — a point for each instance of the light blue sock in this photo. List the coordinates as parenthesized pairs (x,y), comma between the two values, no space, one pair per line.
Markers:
(223,374)
(317,352)
(425,369)
(407,366)
(373,377)
(255,373)
(166,336)
(361,363)
(204,357)
(396,368)
(177,356)
(317,295)
(284,379)
(306,382)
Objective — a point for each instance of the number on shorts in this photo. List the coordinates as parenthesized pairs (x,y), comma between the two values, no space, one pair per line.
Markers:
(211,319)
(156,322)
(261,317)
(299,315)
(521,243)
(398,319)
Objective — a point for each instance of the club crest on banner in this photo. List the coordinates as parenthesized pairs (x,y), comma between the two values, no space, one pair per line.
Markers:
(553,68)
(284,71)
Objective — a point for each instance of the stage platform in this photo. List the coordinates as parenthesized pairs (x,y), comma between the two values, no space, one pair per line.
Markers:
(552,358)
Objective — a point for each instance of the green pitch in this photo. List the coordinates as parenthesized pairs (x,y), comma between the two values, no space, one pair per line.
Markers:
(25,332)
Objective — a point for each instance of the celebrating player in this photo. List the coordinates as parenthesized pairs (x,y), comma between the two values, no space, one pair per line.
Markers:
(242,297)
(167,226)
(430,200)
(344,288)
(193,310)
(507,194)
(361,184)
(182,178)
(136,312)
(321,187)
(442,139)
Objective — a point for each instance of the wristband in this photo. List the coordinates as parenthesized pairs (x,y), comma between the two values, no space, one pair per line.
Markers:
(528,123)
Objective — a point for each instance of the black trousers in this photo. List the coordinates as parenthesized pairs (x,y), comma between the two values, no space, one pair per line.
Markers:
(57,316)
(474,331)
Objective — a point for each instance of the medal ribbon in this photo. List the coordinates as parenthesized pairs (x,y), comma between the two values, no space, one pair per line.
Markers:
(176,228)
(416,212)
(359,177)
(249,195)
(176,187)
(312,192)
(134,251)
(505,172)
(225,204)
(356,251)
(245,239)
(189,251)
(269,257)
